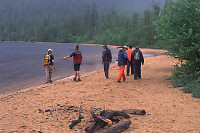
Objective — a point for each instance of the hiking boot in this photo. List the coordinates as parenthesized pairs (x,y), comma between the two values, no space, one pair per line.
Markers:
(118,81)
(106,77)
(51,81)
(78,80)
(74,79)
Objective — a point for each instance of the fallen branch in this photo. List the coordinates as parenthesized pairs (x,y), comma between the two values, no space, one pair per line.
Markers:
(134,111)
(119,128)
(101,122)
(74,122)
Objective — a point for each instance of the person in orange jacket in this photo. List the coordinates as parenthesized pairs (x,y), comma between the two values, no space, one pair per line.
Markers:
(129,62)
(122,61)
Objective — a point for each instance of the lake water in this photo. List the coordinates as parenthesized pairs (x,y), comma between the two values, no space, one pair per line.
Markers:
(22,63)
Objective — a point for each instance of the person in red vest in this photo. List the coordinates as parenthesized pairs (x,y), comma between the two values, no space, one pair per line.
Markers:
(129,62)
(77,59)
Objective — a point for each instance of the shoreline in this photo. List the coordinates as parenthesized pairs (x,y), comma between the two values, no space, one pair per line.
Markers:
(59,78)
(19,90)
(23,90)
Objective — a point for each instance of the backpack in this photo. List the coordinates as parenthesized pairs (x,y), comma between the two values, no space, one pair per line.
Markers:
(137,55)
(47,59)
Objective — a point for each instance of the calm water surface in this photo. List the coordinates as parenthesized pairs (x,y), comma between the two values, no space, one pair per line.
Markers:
(22,63)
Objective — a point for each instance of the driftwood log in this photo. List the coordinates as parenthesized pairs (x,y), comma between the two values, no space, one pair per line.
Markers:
(119,128)
(102,121)
(134,111)
(74,122)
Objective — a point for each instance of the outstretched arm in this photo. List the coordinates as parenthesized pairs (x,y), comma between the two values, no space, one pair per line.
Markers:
(67,57)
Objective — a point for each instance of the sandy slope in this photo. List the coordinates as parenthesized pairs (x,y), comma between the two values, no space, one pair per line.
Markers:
(168,109)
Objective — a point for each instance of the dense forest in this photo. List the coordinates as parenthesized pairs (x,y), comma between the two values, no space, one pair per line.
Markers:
(170,24)
(90,21)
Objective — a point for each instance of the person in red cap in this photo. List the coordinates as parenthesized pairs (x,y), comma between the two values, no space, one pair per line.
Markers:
(77,59)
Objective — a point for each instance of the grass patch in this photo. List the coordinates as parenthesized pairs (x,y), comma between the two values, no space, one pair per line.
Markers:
(190,84)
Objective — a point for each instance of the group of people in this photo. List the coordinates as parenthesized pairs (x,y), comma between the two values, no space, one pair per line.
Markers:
(126,56)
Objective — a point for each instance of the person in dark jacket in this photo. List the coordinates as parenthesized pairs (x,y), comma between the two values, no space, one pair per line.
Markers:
(137,58)
(122,61)
(106,59)
(77,59)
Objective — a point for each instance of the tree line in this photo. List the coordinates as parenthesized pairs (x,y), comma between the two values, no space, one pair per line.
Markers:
(90,27)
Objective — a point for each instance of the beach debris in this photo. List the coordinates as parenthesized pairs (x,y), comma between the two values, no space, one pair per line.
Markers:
(74,122)
(119,128)
(103,119)
(98,119)
(113,119)
(48,110)
(40,111)
(134,111)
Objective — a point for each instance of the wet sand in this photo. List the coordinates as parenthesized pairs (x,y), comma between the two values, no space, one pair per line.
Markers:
(168,109)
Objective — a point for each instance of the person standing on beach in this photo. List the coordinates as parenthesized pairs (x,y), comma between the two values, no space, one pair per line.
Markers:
(106,59)
(77,59)
(129,62)
(137,58)
(122,61)
(48,65)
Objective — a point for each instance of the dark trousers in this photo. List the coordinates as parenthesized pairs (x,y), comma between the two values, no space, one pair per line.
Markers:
(137,69)
(106,68)
(130,65)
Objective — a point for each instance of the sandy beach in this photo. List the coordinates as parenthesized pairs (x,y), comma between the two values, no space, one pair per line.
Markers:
(50,108)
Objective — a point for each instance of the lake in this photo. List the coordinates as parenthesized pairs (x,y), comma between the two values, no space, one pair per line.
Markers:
(21,63)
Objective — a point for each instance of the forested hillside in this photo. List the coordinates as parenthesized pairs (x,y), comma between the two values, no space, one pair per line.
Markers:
(82,21)
(65,8)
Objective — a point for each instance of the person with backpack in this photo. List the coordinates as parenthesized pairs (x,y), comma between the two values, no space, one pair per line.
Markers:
(77,59)
(129,62)
(122,61)
(137,58)
(48,65)
(106,59)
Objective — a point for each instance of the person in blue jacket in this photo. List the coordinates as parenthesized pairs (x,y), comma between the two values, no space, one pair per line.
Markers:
(137,58)
(122,61)
(106,59)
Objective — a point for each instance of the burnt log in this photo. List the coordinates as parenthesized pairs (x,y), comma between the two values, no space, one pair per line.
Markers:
(134,111)
(101,122)
(119,128)
(117,113)
(74,122)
